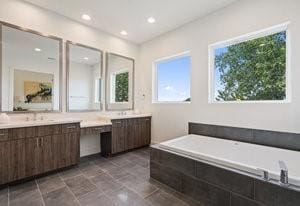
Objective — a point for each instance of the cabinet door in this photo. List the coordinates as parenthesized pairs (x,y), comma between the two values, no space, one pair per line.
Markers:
(31,156)
(4,162)
(65,149)
(130,137)
(118,136)
(45,160)
(73,145)
(147,131)
(59,151)
(17,160)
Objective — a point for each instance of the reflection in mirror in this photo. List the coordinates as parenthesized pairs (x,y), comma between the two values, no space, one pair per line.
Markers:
(119,88)
(30,71)
(84,74)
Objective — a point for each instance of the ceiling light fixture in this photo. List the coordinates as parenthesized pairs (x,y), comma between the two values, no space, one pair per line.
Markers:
(124,33)
(37,49)
(86,17)
(151,20)
(86,58)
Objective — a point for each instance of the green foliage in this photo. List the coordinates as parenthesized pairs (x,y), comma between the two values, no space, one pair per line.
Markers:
(121,92)
(253,70)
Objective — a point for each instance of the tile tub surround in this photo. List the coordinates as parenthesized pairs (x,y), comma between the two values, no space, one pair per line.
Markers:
(284,140)
(217,186)
(116,181)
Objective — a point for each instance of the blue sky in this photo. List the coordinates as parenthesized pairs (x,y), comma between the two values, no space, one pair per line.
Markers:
(173,78)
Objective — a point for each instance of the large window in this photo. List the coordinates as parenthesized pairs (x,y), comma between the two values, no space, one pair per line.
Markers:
(251,68)
(172,79)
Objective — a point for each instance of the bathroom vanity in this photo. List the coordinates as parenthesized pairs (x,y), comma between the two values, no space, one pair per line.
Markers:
(32,148)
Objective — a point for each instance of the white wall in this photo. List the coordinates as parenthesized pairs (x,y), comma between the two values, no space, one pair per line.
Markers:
(171,120)
(32,17)
(29,16)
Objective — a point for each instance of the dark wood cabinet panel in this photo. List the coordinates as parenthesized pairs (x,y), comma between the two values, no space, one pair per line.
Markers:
(24,132)
(4,161)
(31,156)
(95,130)
(4,135)
(128,134)
(45,155)
(48,130)
(26,152)
(17,160)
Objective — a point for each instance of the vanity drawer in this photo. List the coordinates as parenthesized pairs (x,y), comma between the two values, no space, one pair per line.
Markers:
(69,128)
(4,135)
(48,130)
(95,130)
(119,122)
(24,132)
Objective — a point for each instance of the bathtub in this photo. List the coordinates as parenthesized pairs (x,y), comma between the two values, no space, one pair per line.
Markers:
(245,157)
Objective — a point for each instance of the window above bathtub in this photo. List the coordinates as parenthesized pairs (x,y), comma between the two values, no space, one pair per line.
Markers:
(251,68)
(171,82)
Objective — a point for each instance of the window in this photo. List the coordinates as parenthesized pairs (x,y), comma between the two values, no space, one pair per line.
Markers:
(119,87)
(251,68)
(172,79)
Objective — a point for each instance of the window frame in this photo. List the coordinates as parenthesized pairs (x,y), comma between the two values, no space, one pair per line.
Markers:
(155,78)
(244,38)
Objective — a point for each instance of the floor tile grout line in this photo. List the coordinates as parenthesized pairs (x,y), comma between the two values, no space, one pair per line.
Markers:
(76,199)
(40,191)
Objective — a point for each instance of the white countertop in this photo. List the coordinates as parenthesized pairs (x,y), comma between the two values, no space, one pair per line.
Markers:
(126,116)
(19,124)
(101,120)
(94,123)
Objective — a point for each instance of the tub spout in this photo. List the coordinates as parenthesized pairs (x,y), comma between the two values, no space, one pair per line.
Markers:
(284,178)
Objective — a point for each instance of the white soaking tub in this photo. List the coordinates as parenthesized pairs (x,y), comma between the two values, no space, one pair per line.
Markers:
(245,157)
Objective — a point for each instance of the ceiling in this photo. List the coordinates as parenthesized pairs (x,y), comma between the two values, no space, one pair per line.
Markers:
(113,16)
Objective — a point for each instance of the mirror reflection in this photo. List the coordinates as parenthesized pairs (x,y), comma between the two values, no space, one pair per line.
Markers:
(119,88)
(30,71)
(84,69)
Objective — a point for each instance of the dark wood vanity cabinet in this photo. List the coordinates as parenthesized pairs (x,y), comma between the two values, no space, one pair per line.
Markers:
(30,151)
(127,134)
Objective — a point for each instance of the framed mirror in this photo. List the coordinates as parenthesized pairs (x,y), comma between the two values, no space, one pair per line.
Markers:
(119,82)
(31,66)
(84,78)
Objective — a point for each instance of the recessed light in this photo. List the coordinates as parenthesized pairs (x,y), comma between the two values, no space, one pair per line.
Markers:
(124,33)
(86,58)
(151,20)
(86,17)
(37,49)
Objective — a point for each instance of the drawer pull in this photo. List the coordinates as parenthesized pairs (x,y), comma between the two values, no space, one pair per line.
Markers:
(71,127)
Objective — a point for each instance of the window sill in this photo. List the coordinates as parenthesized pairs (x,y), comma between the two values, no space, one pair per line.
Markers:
(251,102)
(157,102)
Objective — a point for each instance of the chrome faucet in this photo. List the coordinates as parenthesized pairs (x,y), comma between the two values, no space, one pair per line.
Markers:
(284,178)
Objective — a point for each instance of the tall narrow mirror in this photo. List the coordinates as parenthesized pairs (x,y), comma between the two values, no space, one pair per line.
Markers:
(119,82)
(30,70)
(84,78)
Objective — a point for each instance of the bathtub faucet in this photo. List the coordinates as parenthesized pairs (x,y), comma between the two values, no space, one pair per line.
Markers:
(284,178)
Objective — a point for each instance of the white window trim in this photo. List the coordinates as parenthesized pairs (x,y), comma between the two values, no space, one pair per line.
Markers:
(154,78)
(244,38)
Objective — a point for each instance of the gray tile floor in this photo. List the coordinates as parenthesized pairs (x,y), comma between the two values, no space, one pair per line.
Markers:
(120,180)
